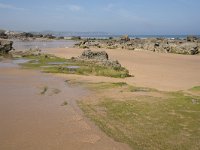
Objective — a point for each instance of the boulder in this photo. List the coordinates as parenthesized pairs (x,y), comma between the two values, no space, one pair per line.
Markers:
(3,35)
(88,54)
(192,38)
(125,38)
(5,46)
(100,58)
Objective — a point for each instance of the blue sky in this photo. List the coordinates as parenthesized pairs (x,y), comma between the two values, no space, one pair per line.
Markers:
(114,16)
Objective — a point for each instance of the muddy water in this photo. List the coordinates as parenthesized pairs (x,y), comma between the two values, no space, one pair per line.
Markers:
(32,115)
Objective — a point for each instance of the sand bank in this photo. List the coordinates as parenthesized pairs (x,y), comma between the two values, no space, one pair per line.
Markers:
(156,70)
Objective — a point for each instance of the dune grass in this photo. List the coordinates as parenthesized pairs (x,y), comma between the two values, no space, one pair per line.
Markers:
(171,122)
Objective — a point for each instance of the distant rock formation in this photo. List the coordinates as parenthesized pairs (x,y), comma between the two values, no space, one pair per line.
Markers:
(3,34)
(5,46)
(189,46)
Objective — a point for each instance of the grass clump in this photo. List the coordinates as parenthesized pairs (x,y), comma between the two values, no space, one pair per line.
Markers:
(65,103)
(140,89)
(106,85)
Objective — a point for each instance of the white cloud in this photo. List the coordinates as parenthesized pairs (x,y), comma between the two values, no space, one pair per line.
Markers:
(74,7)
(8,6)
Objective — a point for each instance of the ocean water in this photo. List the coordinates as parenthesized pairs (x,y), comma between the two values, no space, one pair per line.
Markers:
(140,36)
(104,35)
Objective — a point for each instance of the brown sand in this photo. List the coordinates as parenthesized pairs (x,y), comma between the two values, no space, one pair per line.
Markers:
(155,70)
(30,120)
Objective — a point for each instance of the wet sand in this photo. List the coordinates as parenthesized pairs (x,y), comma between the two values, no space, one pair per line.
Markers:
(30,120)
(156,70)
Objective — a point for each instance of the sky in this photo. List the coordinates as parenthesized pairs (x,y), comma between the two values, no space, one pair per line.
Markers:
(138,17)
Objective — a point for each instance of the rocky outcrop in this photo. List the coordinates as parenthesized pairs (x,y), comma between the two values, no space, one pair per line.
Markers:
(185,48)
(5,46)
(189,46)
(88,54)
(192,38)
(3,35)
(100,58)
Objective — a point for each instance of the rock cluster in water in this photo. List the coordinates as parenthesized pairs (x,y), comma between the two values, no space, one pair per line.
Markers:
(5,46)
(100,57)
(190,46)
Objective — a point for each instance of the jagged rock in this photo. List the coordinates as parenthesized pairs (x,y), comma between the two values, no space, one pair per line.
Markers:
(179,46)
(192,38)
(186,48)
(3,35)
(88,54)
(5,46)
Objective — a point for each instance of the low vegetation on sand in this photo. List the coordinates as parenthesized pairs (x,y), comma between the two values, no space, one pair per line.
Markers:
(53,64)
(195,89)
(65,103)
(145,118)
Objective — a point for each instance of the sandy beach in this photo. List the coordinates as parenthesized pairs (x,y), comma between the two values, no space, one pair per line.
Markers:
(168,72)
(99,75)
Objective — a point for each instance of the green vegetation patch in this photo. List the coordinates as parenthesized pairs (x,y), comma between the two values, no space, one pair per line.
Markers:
(195,89)
(170,123)
(53,64)
(65,103)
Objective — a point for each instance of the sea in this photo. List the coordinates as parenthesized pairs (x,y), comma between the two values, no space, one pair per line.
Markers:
(105,35)
(139,36)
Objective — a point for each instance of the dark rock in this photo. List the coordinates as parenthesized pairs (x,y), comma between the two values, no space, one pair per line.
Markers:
(49,36)
(26,35)
(5,46)
(75,38)
(192,38)
(125,38)
(3,35)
